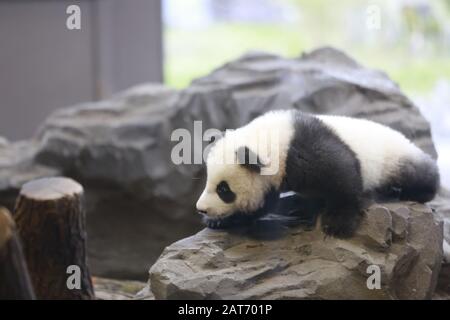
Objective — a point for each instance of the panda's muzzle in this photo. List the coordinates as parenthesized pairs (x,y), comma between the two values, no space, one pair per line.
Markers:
(217,223)
(235,220)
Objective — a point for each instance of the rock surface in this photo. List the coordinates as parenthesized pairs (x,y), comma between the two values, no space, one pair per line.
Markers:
(402,239)
(138,201)
(441,206)
(111,289)
(17,166)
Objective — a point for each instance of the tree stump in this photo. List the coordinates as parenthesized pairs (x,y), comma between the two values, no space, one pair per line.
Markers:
(50,218)
(15,283)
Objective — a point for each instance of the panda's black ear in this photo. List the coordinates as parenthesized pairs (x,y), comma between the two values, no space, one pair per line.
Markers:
(248,159)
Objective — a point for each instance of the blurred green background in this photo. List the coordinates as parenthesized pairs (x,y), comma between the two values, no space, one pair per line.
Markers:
(407,39)
(411,42)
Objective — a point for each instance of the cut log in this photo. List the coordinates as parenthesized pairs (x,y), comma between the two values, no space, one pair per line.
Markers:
(15,282)
(50,218)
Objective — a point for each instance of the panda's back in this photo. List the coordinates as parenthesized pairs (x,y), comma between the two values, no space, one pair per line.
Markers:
(379,149)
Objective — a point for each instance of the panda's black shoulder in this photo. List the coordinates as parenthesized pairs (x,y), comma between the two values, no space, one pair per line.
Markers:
(317,155)
(310,132)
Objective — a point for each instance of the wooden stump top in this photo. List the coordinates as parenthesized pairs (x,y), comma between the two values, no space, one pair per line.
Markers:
(51,188)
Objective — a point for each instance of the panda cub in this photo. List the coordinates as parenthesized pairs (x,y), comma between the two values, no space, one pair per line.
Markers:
(340,161)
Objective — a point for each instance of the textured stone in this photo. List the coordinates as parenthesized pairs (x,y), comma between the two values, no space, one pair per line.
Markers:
(17,167)
(304,264)
(111,289)
(441,207)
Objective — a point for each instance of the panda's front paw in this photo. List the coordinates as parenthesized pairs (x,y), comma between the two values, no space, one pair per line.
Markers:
(232,221)
(214,223)
(341,224)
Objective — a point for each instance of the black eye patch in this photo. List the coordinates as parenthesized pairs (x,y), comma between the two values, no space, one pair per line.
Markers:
(224,192)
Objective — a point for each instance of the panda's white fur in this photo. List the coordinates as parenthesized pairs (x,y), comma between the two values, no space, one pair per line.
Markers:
(378,148)
(380,151)
(222,165)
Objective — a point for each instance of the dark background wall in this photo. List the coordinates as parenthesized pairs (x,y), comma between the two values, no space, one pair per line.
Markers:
(44,65)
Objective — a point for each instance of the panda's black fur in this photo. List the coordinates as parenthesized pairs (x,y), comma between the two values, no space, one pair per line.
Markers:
(321,165)
(326,167)
(242,218)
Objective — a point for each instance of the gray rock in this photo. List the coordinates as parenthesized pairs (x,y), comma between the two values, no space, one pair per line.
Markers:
(306,265)
(441,206)
(3,142)
(120,151)
(111,289)
(138,201)
(17,167)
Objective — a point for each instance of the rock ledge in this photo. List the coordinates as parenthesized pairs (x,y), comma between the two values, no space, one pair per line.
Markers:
(402,239)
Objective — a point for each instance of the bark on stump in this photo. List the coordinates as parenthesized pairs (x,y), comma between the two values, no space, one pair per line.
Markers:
(51,221)
(15,283)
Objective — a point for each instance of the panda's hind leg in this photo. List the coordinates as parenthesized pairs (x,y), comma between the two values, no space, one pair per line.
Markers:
(416,180)
(419,180)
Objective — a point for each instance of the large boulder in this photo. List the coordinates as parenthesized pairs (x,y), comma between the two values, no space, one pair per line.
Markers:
(138,200)
(402,240)
(17,166)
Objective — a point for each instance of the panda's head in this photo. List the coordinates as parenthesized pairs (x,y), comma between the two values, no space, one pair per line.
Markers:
(235,185)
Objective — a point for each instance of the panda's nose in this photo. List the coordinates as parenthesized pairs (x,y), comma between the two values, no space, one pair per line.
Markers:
(201,206)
